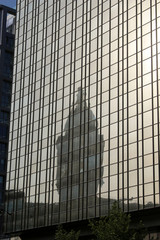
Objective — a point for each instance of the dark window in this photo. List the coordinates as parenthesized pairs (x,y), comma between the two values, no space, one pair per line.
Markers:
(4,117)
(9,42)
(5,100)
(3,150)
(2,164)
(8,64)
(1,182)
(7,87)
(1,196)
(3,131)
(0,22)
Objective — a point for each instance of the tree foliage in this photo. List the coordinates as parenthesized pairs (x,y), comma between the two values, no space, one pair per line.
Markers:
(62,234)
(116,227)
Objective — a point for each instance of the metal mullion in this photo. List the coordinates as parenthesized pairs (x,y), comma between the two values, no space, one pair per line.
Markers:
(11,131)
(84,47)
(85,105)
(44,72)
(72,124)
(118,102)
(49,143)
(81,136)
(35,38)
(96,150)
(54,117)
(74,101)
(157,63)
(64,60)
(30,115)
(56,76)
(27,148)
(153,132)
(142,104)
(101,67)
(89,72)
(137,99)
(40,134)
(109,120)
(127,121)
(23,77)
(70,155)
(18,138)
(123,46)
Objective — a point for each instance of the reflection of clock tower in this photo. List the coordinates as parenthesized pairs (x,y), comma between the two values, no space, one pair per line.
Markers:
(80,153)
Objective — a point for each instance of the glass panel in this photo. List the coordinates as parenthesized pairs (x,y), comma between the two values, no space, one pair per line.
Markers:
(10,23)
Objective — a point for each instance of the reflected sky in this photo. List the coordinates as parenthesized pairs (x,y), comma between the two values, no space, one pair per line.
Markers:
(8,3)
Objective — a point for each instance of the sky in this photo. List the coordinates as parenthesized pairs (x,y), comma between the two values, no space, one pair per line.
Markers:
(9,3)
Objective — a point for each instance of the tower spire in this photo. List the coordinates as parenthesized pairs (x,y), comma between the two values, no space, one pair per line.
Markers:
(81,95)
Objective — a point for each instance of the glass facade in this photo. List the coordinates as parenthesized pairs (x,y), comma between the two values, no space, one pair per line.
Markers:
(84,128)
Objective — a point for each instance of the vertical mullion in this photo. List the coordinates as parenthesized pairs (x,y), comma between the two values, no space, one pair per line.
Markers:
(97,65)
(101,138)
(123,47)
(85,143)
(142,103)
(72,117)
(70,132)
(55,107)
(23,77)
(39,148)
(50,125)
(29,118)
(81,135)
(157,75)
(153,132)
(72,124)
(109,105)
(137,99)
(40,121)
(53,116)
(64,60)
(127,118)
(56,79)
(89,73)
(43,76)
(36,187)
(118,102)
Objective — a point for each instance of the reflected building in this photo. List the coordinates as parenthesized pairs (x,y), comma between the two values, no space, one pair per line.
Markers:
(80,155)
(84,127)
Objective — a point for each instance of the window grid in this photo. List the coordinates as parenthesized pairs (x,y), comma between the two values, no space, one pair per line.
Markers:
(94,61)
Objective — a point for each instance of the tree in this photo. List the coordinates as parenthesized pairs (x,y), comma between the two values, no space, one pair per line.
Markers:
(62,234)
(116,226)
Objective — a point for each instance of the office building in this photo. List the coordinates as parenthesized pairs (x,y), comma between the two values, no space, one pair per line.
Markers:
(7,32)
(84,127)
